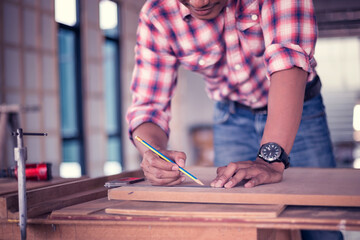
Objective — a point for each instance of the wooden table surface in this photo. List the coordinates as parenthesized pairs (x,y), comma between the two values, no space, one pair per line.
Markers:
(101,218)
(90,221)
(300,186)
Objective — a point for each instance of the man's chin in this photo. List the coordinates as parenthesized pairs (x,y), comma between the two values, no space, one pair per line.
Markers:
(204,17)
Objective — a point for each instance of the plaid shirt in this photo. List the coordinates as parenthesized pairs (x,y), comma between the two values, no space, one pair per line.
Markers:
(236,52)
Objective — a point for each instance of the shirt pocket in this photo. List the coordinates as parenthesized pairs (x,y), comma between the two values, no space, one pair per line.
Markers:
(250,31)
(203,60)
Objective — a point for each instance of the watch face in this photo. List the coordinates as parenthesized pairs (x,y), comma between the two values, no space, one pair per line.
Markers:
(270,151)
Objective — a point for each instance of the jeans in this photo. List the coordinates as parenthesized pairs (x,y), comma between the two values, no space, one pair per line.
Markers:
(238,132)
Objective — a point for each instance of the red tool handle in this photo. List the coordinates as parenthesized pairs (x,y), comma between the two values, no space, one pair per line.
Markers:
(37,171)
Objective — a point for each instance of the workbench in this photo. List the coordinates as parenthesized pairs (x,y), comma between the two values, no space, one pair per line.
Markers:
(121,216)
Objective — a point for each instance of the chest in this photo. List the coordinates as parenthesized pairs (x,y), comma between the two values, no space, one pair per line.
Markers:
(201,45)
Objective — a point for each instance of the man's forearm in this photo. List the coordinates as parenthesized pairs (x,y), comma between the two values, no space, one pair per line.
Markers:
(152,134)
(285,104)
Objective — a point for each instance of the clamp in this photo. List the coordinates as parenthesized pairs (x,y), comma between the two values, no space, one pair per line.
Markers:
(20,155)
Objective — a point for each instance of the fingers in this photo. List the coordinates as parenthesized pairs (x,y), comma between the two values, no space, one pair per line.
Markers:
(238,177)
(164,181)
(179,157)
(160,172)
(257,172)
(230,174)
(224,175)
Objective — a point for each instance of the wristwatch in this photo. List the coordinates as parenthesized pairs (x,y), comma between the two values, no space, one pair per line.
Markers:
(273,152)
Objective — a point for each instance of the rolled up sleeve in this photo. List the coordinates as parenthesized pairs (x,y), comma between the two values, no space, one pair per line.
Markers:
(290,34)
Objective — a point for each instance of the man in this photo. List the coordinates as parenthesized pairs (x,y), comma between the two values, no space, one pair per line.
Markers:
(256,57)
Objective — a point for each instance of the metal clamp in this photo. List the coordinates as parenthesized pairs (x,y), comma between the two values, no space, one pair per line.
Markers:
(20,153)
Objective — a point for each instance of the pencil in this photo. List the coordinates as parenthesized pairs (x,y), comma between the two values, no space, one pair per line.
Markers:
(169,160)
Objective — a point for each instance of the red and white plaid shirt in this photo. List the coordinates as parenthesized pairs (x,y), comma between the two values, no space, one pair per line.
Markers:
(236,52)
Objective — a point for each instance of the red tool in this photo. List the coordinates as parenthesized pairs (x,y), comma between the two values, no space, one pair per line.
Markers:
(33,171)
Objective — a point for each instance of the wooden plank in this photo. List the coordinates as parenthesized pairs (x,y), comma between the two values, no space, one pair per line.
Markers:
(48,193)
(195,210)
(10,185)
(61,202)
(138,208)
(50,197)
(106,231)
(293,217)
(9,191)
(300,186)
(84,209)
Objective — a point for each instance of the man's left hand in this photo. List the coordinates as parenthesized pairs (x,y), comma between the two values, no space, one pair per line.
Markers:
(256,172)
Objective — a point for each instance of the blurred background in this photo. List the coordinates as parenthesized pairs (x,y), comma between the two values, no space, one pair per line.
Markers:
(66,66)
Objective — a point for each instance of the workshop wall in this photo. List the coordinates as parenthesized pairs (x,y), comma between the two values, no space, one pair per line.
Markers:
(29,77)
(28,73)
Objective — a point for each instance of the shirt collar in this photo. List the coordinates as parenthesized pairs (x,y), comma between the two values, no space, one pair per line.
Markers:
(184,11)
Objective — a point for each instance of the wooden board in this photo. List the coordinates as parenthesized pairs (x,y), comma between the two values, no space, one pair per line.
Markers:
(300,186)
(83,209)
(139,208)
(10,185)
(195,210)
(293,217)
(47,197)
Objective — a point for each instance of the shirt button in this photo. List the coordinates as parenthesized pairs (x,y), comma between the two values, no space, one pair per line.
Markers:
(201,62)
(254,17)
(237,67)
(231,38)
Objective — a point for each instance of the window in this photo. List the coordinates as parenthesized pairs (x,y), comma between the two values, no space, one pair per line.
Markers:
(66,14)
(110,26)
(338,58)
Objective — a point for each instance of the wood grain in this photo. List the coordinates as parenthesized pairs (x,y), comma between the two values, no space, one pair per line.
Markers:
(195,210)
(300,186)
(45,197)
(10,185)
(293,217)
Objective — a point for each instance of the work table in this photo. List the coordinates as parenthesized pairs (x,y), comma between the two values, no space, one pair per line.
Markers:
(174,215)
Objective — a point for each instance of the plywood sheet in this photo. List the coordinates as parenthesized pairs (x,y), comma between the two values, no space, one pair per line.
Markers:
(300,186)
(195,210)
(84,209)
(186,210)
(293,217)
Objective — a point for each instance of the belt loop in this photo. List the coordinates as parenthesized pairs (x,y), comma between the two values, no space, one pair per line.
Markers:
(312,89)
(232,108)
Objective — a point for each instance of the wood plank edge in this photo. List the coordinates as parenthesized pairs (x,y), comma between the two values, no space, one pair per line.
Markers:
(55,204)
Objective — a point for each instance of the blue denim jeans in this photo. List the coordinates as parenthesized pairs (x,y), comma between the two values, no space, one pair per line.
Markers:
(238,131)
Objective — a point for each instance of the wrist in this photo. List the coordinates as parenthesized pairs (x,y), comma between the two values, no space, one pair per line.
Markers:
(276,166)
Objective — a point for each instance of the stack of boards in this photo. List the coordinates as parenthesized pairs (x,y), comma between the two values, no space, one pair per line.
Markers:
(300,186)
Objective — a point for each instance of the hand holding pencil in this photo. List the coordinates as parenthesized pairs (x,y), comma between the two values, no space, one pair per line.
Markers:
(148,168)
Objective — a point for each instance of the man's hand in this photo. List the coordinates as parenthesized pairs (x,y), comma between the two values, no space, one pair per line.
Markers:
(257,172)
(160,172)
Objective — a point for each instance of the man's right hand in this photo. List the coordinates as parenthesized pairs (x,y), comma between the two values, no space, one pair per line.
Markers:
(156,170)
(160,172)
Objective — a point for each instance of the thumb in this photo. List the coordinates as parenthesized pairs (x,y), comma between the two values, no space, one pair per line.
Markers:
(180,162)
(179,158)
